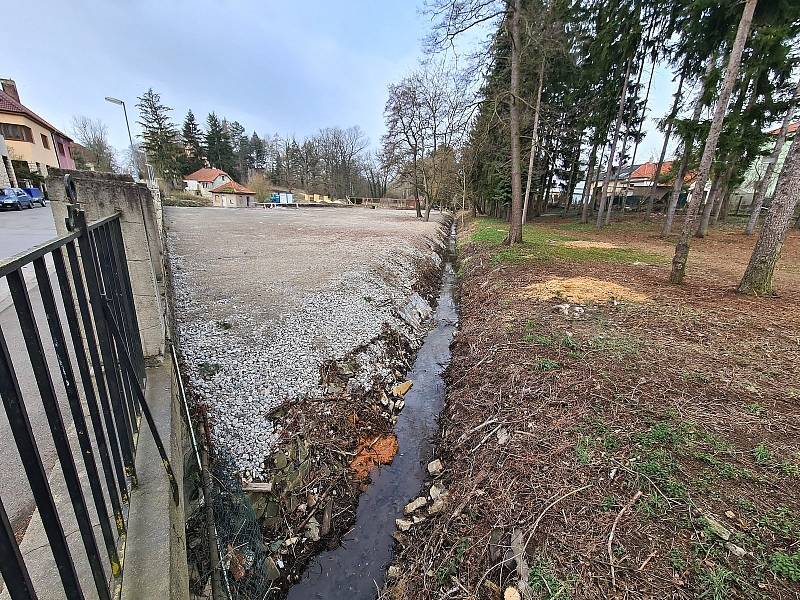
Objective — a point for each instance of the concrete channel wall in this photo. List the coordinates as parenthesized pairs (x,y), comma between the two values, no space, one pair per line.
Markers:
(155,550)
(102,194)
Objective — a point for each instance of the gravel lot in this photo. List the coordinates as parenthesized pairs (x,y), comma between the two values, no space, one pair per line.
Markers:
(263,297)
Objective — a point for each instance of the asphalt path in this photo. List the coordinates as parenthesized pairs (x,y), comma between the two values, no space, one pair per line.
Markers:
(19,231)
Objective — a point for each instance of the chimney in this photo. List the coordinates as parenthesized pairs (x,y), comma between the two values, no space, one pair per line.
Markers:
(10,88)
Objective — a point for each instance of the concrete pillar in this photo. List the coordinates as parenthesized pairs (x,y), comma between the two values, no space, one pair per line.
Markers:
(102,194)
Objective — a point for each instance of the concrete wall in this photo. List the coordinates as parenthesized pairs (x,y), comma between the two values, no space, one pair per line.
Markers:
(102,194)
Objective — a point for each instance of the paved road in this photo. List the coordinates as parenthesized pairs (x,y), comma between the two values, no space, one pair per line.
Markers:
(18,232)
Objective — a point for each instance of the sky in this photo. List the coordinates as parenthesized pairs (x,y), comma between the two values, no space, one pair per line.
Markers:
(276,66)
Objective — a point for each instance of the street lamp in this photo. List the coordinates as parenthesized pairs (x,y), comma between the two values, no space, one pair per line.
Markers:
(124,110)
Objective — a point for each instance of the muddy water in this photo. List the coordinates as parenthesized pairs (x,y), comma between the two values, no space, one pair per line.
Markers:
(357,568)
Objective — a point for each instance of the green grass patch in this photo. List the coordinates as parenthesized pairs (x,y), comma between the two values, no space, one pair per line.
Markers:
(545,584)
(786,565)
(715,583)
(543,242)
(547,364)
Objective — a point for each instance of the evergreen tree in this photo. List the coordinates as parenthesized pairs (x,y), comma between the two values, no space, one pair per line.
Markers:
(161,142)
(258,151)
(192,136)
(219,150)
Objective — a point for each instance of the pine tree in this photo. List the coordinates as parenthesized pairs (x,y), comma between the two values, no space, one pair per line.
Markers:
(192,158)
(758,276)
(734,61)
(159,134)
(218,145)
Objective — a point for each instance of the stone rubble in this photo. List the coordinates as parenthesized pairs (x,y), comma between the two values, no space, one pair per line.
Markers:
(243,368)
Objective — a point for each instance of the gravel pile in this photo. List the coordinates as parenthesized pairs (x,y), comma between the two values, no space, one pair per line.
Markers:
(243,360)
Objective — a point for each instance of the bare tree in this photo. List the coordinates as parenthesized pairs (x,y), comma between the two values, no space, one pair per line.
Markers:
(454,17)
(731,73)
(92,134)
(404,137)
(758,277)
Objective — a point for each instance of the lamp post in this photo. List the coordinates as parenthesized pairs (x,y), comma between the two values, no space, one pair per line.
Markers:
(130,137)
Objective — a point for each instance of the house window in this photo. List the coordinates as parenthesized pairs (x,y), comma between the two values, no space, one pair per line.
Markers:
(61,148)
(16,133)
(45,142)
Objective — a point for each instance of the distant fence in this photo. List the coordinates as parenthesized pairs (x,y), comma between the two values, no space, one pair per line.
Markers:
(101,351)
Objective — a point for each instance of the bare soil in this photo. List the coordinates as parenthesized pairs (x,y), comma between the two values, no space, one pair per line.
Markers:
(615,448)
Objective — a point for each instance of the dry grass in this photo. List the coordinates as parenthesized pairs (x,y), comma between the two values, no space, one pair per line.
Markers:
(582,290)
(616,442)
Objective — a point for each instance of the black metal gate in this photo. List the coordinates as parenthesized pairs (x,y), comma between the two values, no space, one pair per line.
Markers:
(91,319)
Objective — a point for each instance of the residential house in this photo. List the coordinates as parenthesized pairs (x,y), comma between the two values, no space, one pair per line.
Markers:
(742,197)
(203,181)
(7,176)
(233,195)
(31,139)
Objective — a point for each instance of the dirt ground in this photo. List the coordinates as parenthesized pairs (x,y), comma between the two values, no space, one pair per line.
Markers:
(637,443)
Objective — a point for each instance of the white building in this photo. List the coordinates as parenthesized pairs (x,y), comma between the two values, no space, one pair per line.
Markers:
(203,181)
(233,195)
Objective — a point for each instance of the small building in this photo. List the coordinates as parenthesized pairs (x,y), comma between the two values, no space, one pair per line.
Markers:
(203,181)
(742,196)
(31,140)
(232,195)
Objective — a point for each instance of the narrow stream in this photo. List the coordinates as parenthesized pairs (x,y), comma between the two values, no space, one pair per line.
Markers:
(357,568)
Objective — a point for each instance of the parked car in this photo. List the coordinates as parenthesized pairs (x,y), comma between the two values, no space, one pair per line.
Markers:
(37,195)
(15,198)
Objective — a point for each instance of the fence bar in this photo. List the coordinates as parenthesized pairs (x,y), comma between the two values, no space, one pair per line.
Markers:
(12,567)
(71,389)
(106,348)
(125,282)
(108,291)
(100,376)
(34,470)
(88,388)
(126,362)
(111,292)
(20,260)
(44,382)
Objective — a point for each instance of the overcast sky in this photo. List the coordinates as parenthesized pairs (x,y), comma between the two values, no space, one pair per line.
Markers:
(275,66)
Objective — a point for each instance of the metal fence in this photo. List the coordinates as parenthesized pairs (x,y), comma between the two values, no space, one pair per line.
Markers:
(101,364)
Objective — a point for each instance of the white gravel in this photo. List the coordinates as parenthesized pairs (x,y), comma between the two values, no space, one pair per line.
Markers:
(255,331)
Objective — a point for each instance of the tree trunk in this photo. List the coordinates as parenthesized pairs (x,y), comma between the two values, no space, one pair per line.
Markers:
(641,123)
(603,191)
(586,195)
(572,173)
(515,230)
(534,139)
(416,186)
(723,196)
(666,230)
(763,184)
(682,247)
(758,276)
(670,122)
(610,204)
(713,194)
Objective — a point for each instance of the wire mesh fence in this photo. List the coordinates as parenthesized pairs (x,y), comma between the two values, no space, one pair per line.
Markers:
(245,569)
